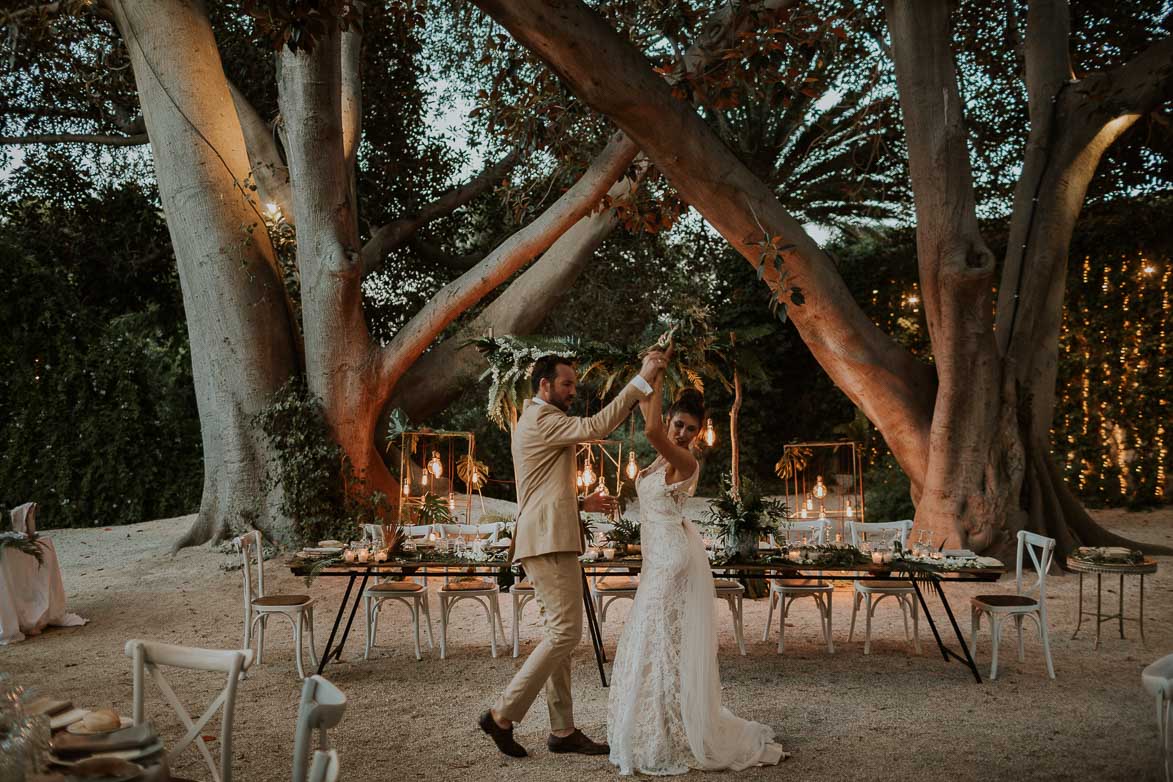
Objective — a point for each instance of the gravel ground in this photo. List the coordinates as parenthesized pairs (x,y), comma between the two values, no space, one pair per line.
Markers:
(890,715)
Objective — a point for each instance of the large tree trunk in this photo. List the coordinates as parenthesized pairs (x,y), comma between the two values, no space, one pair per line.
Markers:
(340,353)
(241,345)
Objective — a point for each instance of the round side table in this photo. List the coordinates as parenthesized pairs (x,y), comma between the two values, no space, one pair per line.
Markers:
(1100,569)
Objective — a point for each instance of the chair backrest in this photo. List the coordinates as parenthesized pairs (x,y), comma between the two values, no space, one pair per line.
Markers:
(417,531)
(858,530)
(24,518)
(490,531)
(817,529)
(325,766)
(149,656)
(1041,550)
(373,533)
(249,546)
(322,706)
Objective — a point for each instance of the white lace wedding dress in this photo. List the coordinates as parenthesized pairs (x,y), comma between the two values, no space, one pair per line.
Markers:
(664,713)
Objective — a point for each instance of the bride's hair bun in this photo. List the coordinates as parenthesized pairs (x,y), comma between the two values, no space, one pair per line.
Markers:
(691,402)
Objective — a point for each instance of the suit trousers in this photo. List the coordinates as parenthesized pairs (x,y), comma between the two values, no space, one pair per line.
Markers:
(557,580)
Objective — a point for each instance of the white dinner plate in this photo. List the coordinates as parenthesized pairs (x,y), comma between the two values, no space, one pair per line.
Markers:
(65,718)
(78,729)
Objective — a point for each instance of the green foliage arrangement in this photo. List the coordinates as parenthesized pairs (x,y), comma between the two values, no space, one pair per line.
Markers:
(320,493)
(626,532)
(740,518)
(29,543)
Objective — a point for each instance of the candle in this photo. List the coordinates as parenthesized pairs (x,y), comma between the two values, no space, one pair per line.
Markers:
(348,555)
(381,556)
(878,557)
(364,554)
(888,557)
(794,555)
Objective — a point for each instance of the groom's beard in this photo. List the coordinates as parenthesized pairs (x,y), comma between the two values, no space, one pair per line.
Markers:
(562,404)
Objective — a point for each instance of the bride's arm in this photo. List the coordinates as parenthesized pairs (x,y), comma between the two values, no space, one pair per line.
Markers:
(681,459)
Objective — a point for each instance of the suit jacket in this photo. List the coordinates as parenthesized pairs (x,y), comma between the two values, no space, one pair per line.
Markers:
(544,468)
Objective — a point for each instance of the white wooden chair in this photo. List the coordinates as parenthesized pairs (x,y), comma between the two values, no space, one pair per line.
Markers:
(733,593)
(784,591)
(481,590)
(412,593)
(606,589)
(149,656)
(321,708)
(870,593)
(1157,680)
(522,593)
(1020,604)
(324,767)
(259,607)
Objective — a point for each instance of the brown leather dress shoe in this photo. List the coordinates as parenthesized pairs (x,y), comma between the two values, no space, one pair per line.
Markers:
(577,743)
(502,737)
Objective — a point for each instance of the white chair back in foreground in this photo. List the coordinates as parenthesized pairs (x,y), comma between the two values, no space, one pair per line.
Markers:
(1029,600)
(322,706)
(325,767)
(148,657)
(1157,679)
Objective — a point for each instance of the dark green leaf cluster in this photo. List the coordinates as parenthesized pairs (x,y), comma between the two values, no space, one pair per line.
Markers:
(736,514)
(319,490)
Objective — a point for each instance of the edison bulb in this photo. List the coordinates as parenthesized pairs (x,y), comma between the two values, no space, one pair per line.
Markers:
(810,503)
(588,475)
(820,488)
(406,487)
(451,503)
(710,433)
(632,467)
(434,466)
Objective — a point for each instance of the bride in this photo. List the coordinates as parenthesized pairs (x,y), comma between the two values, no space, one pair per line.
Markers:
(665,714)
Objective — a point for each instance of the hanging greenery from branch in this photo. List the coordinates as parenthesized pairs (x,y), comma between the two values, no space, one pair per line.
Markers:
(701,353)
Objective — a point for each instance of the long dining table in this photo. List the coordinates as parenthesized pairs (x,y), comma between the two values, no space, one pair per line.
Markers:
(928,577)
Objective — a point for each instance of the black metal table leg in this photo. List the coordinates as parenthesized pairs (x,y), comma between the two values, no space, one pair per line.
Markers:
(1079,615)
(946,652)
(337,621)
(595,630)
(353,610)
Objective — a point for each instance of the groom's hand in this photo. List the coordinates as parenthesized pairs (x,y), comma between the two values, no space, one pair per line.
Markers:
(599,502)
(654,363)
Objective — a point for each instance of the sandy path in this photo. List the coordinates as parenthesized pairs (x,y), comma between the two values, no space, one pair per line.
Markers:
(890,715)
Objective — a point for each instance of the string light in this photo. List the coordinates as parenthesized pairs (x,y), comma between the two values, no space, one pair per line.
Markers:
(632,467)
(406,487)
(710,433)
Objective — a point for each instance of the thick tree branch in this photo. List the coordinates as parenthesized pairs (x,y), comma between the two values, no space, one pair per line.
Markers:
(387,237)
(1143,83)
(441,374)
(77,138)
(462,293)
(269,172)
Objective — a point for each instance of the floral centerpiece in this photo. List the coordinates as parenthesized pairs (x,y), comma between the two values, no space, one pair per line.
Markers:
(740,518)
(625,535)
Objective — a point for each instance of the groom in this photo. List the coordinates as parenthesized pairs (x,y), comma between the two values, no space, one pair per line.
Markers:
(548,540)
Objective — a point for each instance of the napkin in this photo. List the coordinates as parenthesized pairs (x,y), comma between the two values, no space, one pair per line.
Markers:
(989,562)
(134,737)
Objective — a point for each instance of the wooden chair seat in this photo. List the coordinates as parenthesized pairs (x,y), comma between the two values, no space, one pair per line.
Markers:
(281,600)
(801,583)
(396,586)
(616,583)
(468,585)
(523,586)
(884,586)
(727,585)
(1005,601)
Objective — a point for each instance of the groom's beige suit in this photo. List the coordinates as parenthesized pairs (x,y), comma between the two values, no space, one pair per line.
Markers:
(548,540)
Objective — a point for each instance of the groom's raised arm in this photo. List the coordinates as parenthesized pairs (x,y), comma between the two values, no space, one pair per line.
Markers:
(566,430)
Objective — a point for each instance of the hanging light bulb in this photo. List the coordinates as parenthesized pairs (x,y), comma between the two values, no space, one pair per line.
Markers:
(632,467)
(451,502)
(424,481)
(810,503)
(820,488)
(588,474)
(710,434)
(578,480)
(406,487)
(850,509)
(434,466)
(603,488)
(802,513)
